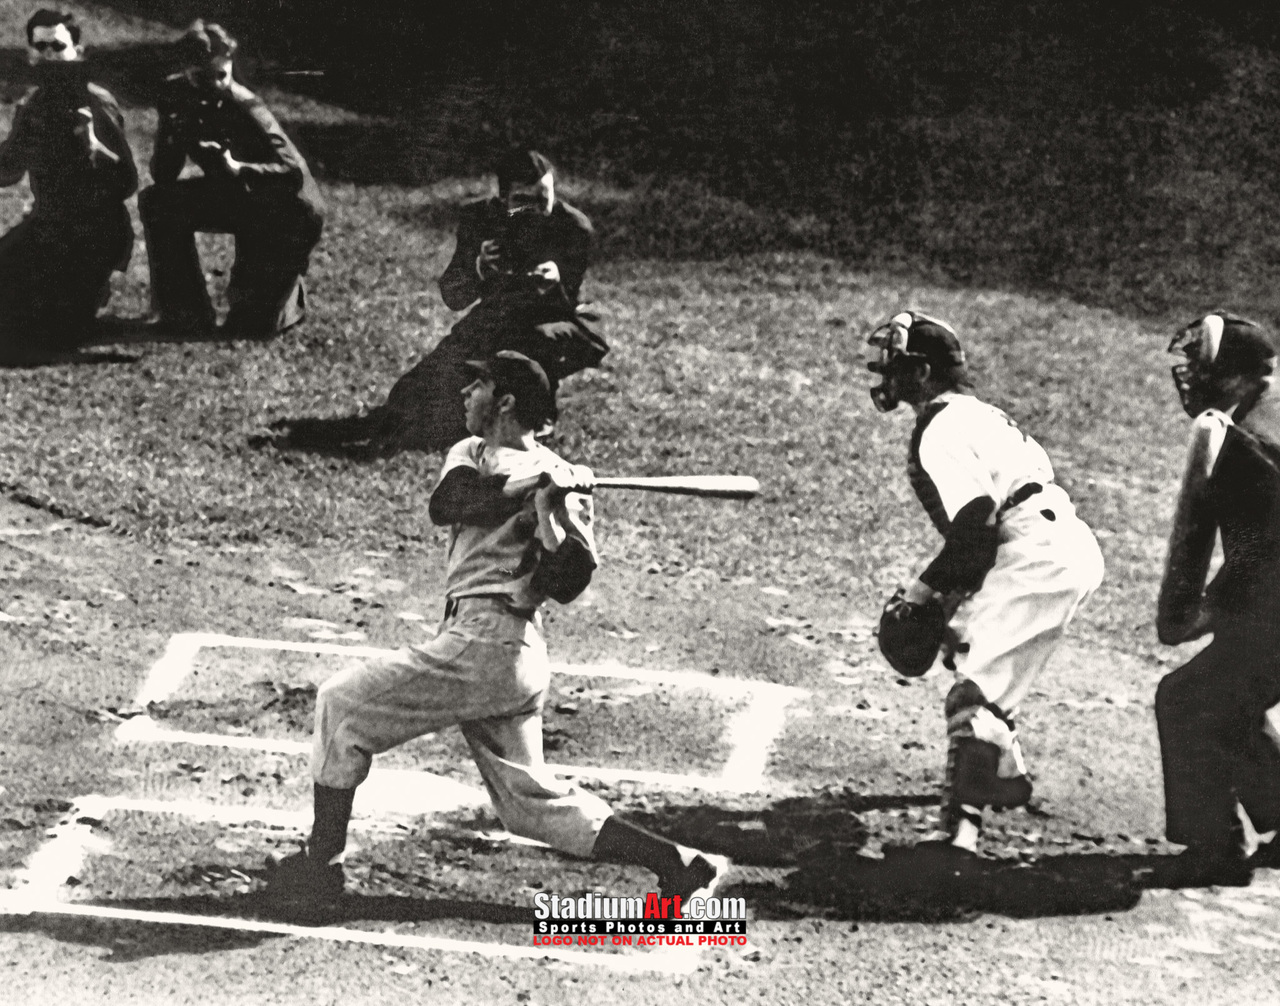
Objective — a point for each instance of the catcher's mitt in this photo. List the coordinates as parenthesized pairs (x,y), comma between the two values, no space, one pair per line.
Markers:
(911,634)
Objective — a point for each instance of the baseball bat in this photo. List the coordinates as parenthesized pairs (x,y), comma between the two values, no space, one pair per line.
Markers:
(730,487)
(733,487)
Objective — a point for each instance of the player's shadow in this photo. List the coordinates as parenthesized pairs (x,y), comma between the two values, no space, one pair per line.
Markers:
(133,939)
(390,908)
(130,940)
(816,846)
(923,884)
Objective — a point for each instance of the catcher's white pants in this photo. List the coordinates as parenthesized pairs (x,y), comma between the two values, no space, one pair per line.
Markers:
(1045,569)
(487,671)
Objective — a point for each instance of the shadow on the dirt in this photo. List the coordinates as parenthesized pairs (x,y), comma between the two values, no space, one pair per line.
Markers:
(819,842)
(928,884)
(134,939)
(781,834)
(128,940)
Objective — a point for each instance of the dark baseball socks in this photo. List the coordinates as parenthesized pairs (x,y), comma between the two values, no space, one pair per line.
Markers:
(332,816)
(680,870)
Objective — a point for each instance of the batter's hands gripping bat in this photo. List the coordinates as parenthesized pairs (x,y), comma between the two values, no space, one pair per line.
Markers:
(732,487)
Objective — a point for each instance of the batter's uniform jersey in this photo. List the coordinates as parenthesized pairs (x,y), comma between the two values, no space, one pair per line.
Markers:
(1047,561)
(486,670)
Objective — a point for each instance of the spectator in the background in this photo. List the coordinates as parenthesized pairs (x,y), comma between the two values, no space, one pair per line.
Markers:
(254,184)
(518,265)
(68,137)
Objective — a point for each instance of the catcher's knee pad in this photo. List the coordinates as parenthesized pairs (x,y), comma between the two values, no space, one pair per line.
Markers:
(964,695)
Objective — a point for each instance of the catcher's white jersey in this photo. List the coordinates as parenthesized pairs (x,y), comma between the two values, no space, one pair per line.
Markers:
(1047,562)
(970,449)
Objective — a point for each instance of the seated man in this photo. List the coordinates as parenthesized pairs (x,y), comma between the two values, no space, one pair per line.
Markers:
(518,265)
(254,185)
(68,136)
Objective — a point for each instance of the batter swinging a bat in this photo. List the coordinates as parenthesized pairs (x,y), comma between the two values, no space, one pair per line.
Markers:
(1015,565)
(520,525)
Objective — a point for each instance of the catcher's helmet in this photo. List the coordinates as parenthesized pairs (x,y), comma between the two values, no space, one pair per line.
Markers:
(1218,347)
(906,337)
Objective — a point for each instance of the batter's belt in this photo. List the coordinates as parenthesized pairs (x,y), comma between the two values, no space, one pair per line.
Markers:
(455,606)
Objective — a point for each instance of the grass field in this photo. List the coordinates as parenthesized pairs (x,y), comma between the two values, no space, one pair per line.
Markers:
(748,361)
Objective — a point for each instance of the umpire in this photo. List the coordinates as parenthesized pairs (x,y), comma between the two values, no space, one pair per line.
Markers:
(1217,747)
(254,184)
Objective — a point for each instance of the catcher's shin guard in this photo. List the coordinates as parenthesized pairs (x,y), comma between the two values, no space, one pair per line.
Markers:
(975,781)
(984,759)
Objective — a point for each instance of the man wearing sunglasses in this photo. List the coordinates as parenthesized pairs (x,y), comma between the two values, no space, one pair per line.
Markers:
(68,138)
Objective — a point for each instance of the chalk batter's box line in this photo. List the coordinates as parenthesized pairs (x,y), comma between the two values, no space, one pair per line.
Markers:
(40,890)
(41,886)
(750,732)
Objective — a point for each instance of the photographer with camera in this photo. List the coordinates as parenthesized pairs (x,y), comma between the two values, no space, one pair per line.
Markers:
(68,138)
(254,184)
(518,265)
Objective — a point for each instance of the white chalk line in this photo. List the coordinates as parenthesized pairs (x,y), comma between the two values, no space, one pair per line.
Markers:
(751,731)
(667,961)
(144,730)
(42,884)
(40,889)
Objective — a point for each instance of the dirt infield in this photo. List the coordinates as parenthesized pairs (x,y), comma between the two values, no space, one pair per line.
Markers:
(135,832)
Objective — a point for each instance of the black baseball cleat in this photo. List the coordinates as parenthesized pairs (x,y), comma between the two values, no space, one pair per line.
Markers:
(298,881)
(976,782)
(699,875)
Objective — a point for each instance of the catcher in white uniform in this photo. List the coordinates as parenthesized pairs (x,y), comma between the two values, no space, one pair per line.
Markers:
(1015,565)
(520,533)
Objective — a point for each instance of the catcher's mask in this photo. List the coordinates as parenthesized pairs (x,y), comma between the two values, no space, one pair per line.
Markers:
(1217,348)
(906,339)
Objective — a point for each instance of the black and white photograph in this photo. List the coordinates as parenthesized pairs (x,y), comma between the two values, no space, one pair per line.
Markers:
(576,502)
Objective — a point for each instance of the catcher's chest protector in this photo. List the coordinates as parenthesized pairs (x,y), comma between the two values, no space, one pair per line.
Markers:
(926,492)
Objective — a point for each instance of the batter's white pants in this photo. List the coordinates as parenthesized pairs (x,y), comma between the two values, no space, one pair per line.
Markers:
(487,671)
(1047,564)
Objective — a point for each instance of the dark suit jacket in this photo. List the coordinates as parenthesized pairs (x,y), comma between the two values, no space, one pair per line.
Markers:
(527,239)
(64,182)
(272,168)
